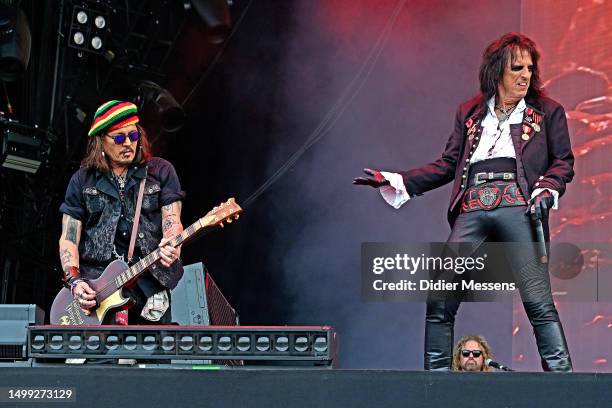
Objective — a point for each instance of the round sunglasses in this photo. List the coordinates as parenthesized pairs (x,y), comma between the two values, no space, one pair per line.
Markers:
(119,138)
(475,353)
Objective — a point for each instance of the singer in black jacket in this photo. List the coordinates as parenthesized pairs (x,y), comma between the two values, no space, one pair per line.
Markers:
(509,157)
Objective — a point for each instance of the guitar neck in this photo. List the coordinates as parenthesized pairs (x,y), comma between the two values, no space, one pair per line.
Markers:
(141,266)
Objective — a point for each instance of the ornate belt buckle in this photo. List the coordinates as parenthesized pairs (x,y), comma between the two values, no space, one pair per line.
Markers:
(477,180)
(489,197)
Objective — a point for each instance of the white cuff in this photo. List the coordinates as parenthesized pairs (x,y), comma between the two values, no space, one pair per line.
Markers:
(555,194)
(395,194)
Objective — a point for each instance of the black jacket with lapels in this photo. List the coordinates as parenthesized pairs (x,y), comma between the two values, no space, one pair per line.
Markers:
(544,157)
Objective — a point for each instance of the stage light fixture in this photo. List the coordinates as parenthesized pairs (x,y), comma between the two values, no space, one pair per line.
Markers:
(38,342)
(130,343)
(88,33)
(158,107)
(57,342)
(167,343)
(301,344)
(172,343)
(149,343)
(100,22)
(20,151)
(92,343)
(186,343)
(244,343)
(81,17)
(281,343)
(96,43)
(320,344)
(74,343)
(112,343)
(15,43)
(205,343)
(224,343)
(263,343)
(78,38)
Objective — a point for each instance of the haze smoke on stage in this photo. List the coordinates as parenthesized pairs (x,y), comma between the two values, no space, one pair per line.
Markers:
(392,122)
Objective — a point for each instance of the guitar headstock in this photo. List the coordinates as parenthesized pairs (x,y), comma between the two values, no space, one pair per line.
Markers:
(224,212)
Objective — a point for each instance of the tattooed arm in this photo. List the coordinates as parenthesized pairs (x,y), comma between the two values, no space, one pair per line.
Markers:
(69,244)
(69,255)
(171,226)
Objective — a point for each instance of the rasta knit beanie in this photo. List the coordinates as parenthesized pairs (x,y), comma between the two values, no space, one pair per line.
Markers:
(113,115)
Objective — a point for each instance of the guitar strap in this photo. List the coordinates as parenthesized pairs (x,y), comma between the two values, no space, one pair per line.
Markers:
(121,316)
(136,217)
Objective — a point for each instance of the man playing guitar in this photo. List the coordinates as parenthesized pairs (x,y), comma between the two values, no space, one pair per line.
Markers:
(99,210)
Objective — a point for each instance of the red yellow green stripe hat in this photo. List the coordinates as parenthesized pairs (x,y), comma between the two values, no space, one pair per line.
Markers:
(113,115)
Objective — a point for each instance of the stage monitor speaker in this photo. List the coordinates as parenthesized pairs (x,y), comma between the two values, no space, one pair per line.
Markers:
(14,322)
(198,301)
(189,303)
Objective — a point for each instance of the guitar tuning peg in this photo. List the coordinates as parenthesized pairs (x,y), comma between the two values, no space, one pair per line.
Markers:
(221,225)
(229,220)
(237,216)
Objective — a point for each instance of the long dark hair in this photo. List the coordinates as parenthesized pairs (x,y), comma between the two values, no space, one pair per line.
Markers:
(496,57)
(95,159)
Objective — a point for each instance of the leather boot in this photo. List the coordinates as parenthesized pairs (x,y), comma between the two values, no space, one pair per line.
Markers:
(439,327)
(549,336)
(552,347)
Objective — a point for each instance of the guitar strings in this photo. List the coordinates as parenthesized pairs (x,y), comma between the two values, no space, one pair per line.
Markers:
(177,240)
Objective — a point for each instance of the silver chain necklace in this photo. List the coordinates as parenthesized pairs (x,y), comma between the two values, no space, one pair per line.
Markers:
(121,179)
(505,115)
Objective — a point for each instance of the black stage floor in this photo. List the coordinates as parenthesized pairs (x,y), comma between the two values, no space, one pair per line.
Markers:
(102,386)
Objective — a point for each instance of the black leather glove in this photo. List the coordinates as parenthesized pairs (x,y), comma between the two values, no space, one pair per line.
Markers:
(375,180)
(539,205)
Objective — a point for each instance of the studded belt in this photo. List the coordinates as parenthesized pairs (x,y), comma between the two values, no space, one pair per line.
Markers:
(491,195)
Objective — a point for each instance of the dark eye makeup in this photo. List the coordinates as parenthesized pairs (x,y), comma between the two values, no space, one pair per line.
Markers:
(518,68)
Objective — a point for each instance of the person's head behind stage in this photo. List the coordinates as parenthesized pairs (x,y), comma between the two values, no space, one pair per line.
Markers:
(116,139)
(470,354)
(510,69)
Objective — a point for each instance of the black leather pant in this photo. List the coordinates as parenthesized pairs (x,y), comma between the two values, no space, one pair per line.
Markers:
(508,224)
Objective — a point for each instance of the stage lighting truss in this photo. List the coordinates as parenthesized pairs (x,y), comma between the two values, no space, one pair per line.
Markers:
(89,27)
(306,344)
